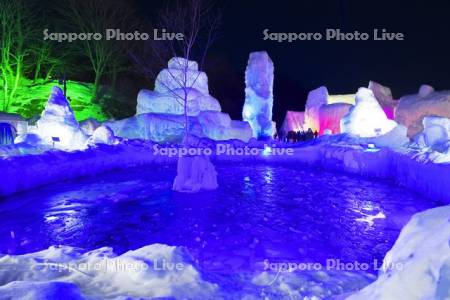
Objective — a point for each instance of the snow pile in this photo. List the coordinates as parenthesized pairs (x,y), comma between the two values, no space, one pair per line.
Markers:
(435,135)
(396,138)
(413,108)
(89,125)
(195,173)
(181,82)
(366,118)
(259,95)
(103,135)
(309,285)
(152,271)
(418,265)
(57,126)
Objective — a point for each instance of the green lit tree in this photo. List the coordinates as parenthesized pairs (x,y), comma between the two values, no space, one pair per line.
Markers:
(16,29)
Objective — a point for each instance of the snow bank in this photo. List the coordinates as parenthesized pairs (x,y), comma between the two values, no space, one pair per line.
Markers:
(418,265)
(259,95)
(366,118)
(195,173)
(423,172)
(152,271)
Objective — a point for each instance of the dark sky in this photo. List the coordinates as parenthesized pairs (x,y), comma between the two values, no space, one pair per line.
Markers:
(342,66)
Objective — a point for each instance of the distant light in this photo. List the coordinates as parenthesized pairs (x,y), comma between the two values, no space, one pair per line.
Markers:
(267,150)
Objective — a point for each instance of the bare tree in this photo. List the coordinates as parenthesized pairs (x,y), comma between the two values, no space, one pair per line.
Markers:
(197,21)
(16,27)
(96,16)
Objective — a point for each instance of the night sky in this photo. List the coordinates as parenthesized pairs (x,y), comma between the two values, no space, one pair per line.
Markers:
(343,66)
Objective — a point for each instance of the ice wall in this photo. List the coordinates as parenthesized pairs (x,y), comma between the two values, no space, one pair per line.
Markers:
(259,95)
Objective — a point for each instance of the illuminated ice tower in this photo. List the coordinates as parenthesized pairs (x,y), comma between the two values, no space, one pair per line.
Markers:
(259,95)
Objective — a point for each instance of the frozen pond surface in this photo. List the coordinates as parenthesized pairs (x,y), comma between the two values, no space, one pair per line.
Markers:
(280,213)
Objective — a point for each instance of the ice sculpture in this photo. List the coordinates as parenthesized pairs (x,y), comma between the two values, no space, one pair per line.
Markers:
(259,95)
(195,173)
(316,98)
(413,108)
(170,128)
(180,82)
(293,121)
(418,265)
(366,118)
(57,126)
(436,134)
(384,96)
(330,117)
(219,126)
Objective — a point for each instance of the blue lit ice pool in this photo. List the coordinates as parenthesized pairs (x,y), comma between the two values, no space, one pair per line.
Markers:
(281,213)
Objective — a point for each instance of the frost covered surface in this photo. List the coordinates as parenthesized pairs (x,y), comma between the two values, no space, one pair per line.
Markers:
(100,274)
(366,118)
(259,94)
(418,266)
